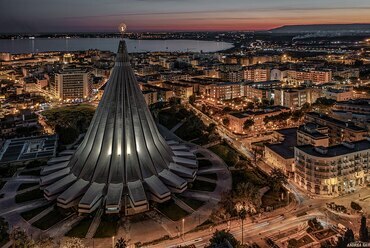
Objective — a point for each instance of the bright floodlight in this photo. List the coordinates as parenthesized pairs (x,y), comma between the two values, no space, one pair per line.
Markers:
(122,28)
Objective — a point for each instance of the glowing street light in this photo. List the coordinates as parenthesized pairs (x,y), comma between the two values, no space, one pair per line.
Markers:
(183,228)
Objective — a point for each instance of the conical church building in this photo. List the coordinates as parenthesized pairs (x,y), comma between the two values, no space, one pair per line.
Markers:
(123,162)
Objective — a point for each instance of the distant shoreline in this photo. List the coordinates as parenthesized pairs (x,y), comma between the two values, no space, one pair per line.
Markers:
(74,44)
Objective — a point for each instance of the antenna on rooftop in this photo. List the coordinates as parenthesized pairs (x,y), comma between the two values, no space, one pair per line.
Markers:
(122,29)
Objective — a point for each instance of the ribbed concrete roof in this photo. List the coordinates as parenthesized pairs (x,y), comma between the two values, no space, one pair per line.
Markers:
(122,147)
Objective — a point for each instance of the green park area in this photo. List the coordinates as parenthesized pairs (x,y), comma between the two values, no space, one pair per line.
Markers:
(226,153)
(193,129)
(69,121)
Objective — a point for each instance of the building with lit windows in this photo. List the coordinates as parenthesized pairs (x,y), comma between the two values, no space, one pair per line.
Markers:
(257,74)
(293,97)
(73,84)
(333,170)
(237,119)
(223,91)
(338,131)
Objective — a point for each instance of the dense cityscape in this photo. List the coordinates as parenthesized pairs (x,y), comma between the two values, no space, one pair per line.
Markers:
(250,139)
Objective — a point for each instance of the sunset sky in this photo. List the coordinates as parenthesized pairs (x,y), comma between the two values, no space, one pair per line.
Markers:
(35,16)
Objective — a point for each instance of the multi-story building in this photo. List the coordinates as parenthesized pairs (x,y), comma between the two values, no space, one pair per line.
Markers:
(293,97)
(232,76)
(237,119)
(252,60)
(151,96)
(280,152)
(339,131)
(339,95)
(223,91)
(347,73)
(314,76)
(257,74)
(332,170)
(180,90)
(261,90)
(163,94)
(73,84)
(313,134)
(356,111)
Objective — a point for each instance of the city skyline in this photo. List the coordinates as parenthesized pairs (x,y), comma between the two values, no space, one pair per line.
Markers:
(166,15)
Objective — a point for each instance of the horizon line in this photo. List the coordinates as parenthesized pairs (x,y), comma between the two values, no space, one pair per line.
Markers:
(177,31)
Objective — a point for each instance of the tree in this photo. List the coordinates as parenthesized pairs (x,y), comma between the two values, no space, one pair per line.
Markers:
(44,243)
(242,215)
(364,232)
(73,243)
(121,243)
(20,239)
(277,179)
(247,191)
(226,110)
(306,107)
(223,237)
(4,228)
(347,238)
(226,121)
(323,104)
(191,99)
(211,128)
(250,105)
(248,123)
(355,206)
(173,101)
(297,115)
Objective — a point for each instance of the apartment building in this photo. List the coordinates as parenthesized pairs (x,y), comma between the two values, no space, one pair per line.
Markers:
(313,134)
(237,119)
(293,97)
(332,170)
(73,84)
(339,131)
(257,74)
(223,91)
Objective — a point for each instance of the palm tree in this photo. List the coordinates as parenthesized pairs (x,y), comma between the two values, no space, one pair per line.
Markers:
(121,243)
(242,215)
(223,237)
(226,122)
(248,123)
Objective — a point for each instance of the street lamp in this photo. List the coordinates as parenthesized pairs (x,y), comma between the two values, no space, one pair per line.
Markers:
(183,228)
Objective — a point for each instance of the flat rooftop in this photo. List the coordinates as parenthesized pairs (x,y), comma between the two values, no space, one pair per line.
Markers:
(311,129)
(21,149)
(286,148)
(247,113)
(337,150)
(348,125)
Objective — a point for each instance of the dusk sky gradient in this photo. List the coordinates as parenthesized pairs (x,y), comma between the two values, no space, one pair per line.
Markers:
(37,16)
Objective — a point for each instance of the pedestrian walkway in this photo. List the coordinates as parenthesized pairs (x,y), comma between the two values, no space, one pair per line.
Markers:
(178,125)
(182,205)
(94,224)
